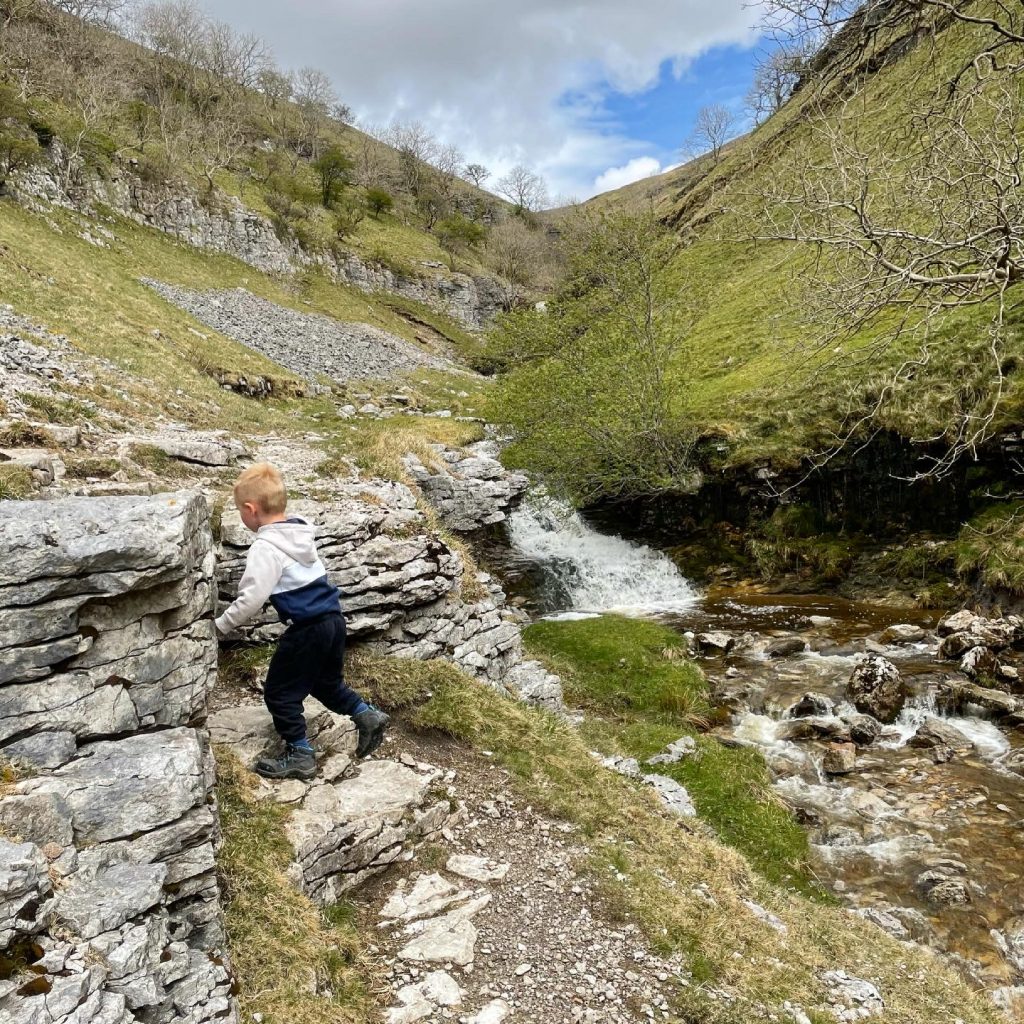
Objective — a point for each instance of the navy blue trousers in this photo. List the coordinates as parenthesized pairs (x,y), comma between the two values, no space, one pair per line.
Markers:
(309,661)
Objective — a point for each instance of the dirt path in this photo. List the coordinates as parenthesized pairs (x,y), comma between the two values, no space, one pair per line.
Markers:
(501,920)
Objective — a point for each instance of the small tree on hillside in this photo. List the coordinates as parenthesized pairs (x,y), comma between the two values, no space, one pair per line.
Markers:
(519,256)
(477,174)
(593,382)
(713,128)
(378,201)
(315,98)
(775,78)
(334,172)
(457,235)
(417,148)
(349,214)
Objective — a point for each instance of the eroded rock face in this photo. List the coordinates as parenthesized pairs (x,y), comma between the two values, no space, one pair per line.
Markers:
(107,863)
(470,488)
(225,225)
(876,688)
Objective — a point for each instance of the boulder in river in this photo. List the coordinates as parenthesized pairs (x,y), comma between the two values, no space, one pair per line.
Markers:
(979,663)
(715,644)
(876,688)
(812,703)
(814,727)
(840,759)
(959,622)
(864,729)
(954,695)
(938,733)
(941,887)
(784,646)
(902,633)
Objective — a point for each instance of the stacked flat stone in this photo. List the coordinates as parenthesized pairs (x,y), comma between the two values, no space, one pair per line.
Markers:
(469,487)
(108,892)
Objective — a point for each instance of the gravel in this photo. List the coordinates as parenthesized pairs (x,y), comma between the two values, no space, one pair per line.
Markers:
(308,344)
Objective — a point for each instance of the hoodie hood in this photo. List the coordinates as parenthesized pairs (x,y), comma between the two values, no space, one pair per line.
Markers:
(294,539)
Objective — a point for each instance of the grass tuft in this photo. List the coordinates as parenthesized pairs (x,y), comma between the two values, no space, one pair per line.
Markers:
(15,482)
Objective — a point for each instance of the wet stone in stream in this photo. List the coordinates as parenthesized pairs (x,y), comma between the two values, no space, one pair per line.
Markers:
(917,823)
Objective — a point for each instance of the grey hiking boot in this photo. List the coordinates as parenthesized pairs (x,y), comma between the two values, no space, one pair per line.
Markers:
(371,724)
(294,763)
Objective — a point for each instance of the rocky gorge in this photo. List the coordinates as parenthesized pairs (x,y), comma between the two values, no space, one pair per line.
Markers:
(111,691)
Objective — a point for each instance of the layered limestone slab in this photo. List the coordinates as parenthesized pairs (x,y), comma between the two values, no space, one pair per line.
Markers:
(353,819)
(107,860)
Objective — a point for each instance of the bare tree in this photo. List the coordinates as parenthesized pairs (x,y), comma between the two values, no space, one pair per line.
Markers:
(315,98)
(98,12)
(12,11)
(908,225)
(815,24)
(94,96)
(417,149)
(448,163)
(519,256)
(776,75)
(373,164)
(523,187)
(477,174)
(714,127)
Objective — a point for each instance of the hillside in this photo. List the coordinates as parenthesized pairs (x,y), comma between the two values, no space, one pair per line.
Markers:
(560,825)
(806,360)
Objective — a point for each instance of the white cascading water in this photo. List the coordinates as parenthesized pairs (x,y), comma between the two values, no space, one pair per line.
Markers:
(597,572)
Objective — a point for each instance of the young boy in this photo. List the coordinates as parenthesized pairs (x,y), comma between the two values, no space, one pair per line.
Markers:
(283,565)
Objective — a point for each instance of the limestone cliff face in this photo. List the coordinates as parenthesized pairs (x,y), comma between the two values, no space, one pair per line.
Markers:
(221,223)
(108,891)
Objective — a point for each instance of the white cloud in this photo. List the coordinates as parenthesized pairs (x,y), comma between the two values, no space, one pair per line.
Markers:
(637,168)
(494,78)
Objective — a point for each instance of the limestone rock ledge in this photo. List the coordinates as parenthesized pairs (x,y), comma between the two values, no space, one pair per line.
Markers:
(470,488)
(109,900)
(402,588)
(350,822)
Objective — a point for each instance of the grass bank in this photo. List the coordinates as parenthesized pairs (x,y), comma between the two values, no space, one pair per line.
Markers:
(684,887)
(292,961)
(639,693)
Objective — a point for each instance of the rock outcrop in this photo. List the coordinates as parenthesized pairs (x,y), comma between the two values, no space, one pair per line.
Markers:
(403,589)
(469,487)
(348,824)
(221,223)
(108,890)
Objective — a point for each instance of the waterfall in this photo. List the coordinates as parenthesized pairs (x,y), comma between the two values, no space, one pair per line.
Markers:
(594,572)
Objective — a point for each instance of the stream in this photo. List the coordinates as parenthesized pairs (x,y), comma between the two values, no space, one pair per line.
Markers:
(929,851)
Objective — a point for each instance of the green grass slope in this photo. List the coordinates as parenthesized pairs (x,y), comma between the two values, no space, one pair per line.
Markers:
(752,373)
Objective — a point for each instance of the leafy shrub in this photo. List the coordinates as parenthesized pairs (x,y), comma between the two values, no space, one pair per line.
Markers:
(378,201)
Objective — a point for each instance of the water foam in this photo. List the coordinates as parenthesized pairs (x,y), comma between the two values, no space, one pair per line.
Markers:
(597,572)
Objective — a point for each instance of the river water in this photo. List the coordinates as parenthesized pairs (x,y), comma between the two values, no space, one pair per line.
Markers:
(879,833)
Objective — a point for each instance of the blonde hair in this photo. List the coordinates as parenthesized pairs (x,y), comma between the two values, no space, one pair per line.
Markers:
(262,485)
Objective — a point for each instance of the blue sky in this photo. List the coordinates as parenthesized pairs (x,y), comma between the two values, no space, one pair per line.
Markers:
(575,89)
(659,119)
